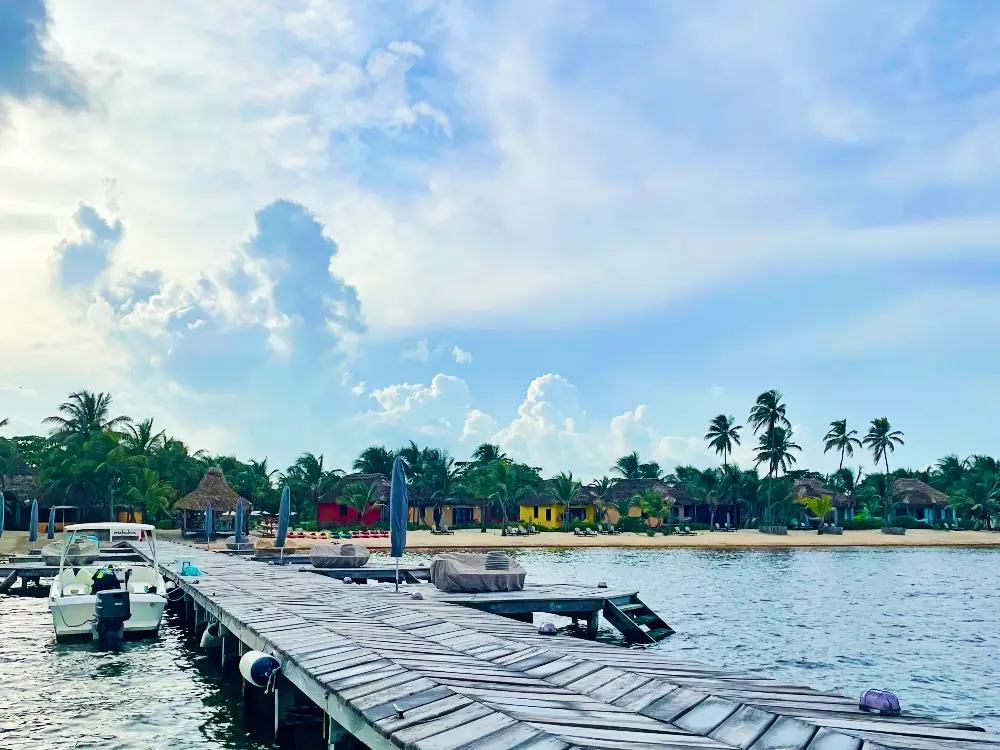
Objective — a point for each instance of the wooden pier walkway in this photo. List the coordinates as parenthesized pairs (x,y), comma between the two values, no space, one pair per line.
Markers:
(394,672)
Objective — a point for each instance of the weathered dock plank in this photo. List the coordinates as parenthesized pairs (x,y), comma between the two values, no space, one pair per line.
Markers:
(430,675)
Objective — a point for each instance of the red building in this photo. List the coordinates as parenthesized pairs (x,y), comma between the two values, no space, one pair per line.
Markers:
(338,514)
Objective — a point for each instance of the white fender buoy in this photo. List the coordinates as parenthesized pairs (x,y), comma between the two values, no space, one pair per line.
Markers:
(547,628)
(257,667)
(212,637)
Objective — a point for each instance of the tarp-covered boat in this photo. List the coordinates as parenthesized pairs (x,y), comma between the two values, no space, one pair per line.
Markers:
(82,551)
(468,572)
(339,556)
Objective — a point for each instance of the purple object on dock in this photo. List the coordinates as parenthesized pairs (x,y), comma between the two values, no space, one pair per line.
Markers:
(879,700)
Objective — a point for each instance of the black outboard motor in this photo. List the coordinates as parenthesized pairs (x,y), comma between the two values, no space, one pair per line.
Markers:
(112,610)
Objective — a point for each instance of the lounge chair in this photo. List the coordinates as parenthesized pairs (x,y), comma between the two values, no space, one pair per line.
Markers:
(686,532)
(576,532)
(590,532)
(716,528)
(727,527)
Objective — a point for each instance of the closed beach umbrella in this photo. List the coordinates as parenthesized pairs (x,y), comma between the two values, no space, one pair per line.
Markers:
(238,523)
(398,513)
(2,510)
(209,522)
(33,523)
(398,508)
(284,510)
(50,527)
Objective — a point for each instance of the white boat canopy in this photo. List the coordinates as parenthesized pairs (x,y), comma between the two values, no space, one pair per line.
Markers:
(109,526)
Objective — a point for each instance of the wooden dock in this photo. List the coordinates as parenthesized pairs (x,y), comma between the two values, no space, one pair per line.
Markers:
(394,672)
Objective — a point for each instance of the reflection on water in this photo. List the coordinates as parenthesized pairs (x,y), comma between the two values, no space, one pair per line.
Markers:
(922,623)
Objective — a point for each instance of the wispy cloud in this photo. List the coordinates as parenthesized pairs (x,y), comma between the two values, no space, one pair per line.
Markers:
(461,356)
(419,352)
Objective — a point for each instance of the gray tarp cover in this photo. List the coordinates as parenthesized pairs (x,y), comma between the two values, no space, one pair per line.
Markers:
(339,555)
(465,572)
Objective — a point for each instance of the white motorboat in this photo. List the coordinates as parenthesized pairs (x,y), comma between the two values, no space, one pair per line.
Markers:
(108,599)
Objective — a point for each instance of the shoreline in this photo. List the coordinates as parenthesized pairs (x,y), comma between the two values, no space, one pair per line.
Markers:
(14,542)
(742,539)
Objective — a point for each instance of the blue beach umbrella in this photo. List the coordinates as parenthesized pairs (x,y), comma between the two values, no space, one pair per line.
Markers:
(284,510)
(238,523)
(209,522)
(33,523)
(398,513)
(50,527)
(2,511)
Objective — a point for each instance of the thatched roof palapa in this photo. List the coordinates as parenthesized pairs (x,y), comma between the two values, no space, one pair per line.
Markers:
(24,488)
(915,492)
(812,487)
(213,488)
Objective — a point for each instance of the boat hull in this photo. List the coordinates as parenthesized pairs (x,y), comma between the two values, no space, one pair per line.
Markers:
(74,615)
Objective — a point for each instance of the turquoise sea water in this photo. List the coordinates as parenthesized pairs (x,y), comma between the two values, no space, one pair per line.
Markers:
(920,622)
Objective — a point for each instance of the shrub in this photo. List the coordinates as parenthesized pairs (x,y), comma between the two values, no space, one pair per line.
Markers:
(908,522)
(650,532)
(164,524)
(862,524)
(698,526)
(631,523)
(309,526)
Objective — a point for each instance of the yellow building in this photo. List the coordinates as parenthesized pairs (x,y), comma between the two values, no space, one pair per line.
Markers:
(544,514)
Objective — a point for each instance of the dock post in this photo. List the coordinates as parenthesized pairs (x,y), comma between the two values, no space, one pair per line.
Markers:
(336,736)
(593,623)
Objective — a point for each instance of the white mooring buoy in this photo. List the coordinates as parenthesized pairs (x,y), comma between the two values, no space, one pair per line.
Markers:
(257,667)
(212,637)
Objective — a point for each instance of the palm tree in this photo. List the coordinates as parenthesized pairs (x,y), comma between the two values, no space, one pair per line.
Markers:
(882,440)
(4,422)
(141,439)
(487,453)
(440,479)
(712,500)
(842,439)
(376,459)
(507,488)
(307,471)
(821,507)
(151,495)
(722,433)
(631,467)
(767,414)
(775,448)
(361,496)
(654,505)
(85,412)
(602,499)
(564,492)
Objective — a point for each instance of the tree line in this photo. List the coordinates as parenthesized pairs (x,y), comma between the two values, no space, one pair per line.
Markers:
(103,463)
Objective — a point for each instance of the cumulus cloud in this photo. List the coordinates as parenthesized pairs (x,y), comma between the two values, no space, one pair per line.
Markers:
(438,410)
(461,356)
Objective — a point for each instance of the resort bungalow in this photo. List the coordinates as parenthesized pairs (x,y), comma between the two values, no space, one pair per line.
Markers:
(843,505)
(913,498)
(213,488)
(332,511)
(684,508)
(542,511)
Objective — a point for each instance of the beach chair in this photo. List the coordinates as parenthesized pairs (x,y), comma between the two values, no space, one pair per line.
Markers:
(576,532)
(590,532)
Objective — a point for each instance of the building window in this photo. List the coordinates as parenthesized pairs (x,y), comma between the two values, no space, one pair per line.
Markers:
(548,514)
(462,515)
(343,509)
(578,514)
(536,511)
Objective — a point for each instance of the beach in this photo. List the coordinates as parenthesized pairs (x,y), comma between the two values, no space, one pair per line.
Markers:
(744,538)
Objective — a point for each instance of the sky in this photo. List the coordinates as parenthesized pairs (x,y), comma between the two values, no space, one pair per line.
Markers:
(573,228)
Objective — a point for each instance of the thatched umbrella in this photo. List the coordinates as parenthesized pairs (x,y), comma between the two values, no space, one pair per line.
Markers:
(212,489)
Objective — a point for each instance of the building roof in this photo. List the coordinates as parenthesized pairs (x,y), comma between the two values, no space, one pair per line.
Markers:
(812,487)
(213,488)
(915,492)
(24,487)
